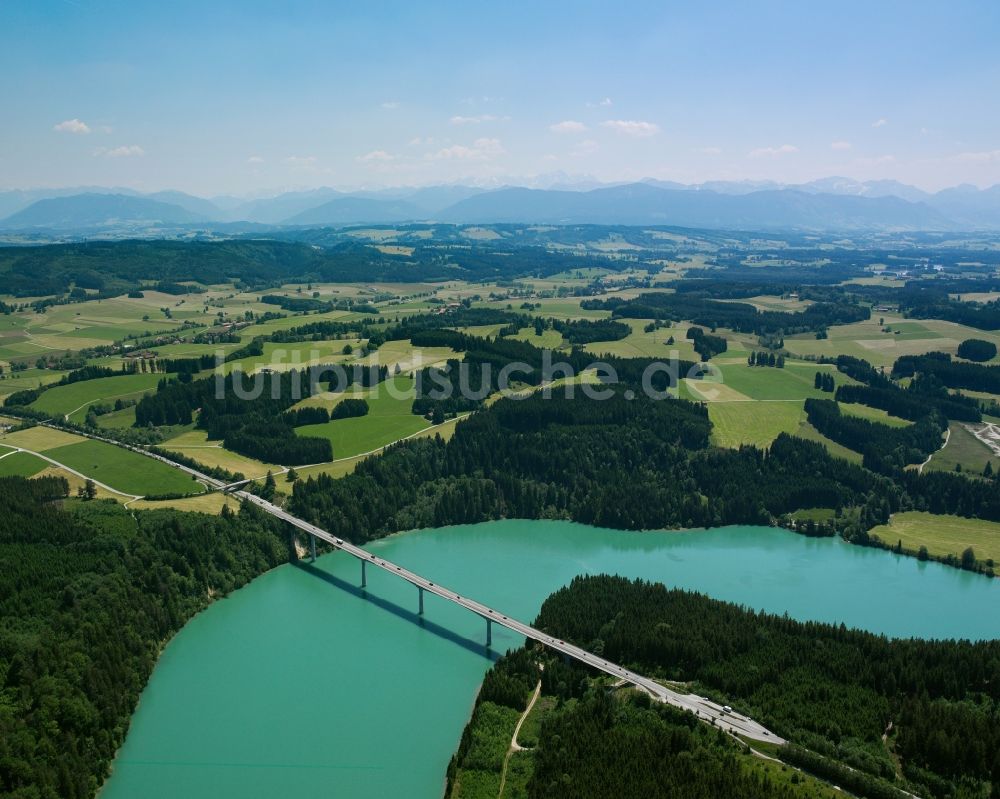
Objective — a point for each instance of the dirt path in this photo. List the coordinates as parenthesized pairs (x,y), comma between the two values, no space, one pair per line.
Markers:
(514,745)
(947,438)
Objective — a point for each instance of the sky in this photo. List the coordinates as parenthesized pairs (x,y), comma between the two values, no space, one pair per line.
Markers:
(250,98)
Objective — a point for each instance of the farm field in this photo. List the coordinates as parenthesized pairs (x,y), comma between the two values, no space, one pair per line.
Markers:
(963,449)
(20,464)
(640,344)
(403,354)
(28,378)
(758,423)
(872,414)
(123,470)
(942,535)
(40,439)
(284,357)
(389,419)
(794,382)
(195,444)
(867,339)
(201,503)
(73,399)
(549,339)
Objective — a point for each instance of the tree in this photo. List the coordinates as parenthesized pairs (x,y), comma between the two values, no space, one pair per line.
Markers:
(267,492)
(87,491)
(348,349)
(292,476)
(969,559)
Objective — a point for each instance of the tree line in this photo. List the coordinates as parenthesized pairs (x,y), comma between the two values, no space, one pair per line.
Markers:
(88,594)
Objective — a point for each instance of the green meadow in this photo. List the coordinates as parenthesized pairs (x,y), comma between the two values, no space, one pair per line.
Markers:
(942,535)
(21,464)
(389,419)
(73,399)
(123,470)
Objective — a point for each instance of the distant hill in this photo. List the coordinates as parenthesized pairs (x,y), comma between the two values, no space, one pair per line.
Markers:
(970,207)
(358,210)
(196,205)
(833,203)
(645,204)
(275,210)
(98,211)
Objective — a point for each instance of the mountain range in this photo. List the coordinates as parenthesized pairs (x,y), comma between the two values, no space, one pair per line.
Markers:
(833,203)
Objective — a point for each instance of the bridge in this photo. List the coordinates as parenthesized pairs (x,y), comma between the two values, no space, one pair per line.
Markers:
(705,709)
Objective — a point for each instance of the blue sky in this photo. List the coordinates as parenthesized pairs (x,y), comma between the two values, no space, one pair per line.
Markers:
(249,97)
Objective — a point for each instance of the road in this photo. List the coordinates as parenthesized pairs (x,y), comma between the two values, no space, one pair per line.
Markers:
(706,710)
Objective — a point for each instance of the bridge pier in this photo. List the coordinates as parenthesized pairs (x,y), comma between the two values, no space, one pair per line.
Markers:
(489,633)
(420,592)
(364,576)
(312,547)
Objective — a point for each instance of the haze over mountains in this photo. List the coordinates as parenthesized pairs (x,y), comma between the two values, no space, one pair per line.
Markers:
(833,203)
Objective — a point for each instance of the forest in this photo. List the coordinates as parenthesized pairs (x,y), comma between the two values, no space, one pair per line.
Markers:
(885,449)
(701,309)
(88,595)
(832,691)
(634,464)
(953,374)
(247,412)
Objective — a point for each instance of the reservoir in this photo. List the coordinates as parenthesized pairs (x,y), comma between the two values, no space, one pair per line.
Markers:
(303,685)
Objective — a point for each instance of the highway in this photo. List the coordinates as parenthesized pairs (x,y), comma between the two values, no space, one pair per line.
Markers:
(703,708)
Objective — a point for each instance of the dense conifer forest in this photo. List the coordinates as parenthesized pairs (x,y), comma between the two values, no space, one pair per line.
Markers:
(89,593)
(833,692)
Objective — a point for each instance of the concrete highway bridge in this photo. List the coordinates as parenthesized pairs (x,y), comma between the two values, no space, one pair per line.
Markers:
(703,708)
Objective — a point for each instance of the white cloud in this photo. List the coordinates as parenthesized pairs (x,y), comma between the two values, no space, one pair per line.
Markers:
(306,163)
(840,145)
(72,126)
(710,150)
(568,126)
(460,120)
(376,156)
(586,147)
(632,127)
(773,152)
(390,104)
(255,159)
(122,151)
(880,123)
(481,150)
(600,103)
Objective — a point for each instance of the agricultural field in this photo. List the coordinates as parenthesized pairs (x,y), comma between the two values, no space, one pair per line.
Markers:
(122,470)
(548,340)
(962,450)
(872,414)
(195,444)
(881,345)
(942,535)
(389,419)
(758,423)
(794,382)
(20,464)
(27,379)
(72,400)
(640,344)
(284,357)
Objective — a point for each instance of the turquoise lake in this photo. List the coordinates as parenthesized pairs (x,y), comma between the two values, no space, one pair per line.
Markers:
(302,685)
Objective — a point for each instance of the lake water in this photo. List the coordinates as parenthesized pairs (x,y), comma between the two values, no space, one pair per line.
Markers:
(302,685)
